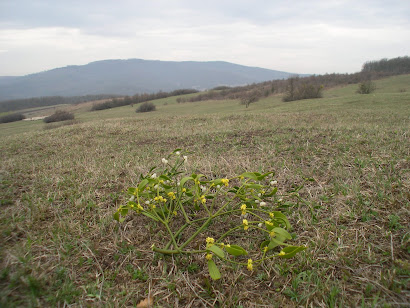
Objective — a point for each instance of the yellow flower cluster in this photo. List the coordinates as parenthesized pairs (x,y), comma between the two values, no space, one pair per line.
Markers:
(172,195)
(243,208)
(210,240)
(245,224)
(225,182)
(160,198)
(203,199)
(269,223)
(271,215)
(250,264)
(208,256)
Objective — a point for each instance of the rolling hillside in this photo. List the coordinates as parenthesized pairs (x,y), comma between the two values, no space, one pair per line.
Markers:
(132,76)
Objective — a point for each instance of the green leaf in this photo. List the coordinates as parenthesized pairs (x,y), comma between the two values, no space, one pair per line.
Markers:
(282,232)
(213,270)
(268,226)
(132,190)
(251,175)
(236,250)
(254,186)
(275,242)
(217,251)
(291,251)
(142,185)
(185,179)
(164,178)
(262,176)
(281,218)
(273,192)
(264,244)
(117,216)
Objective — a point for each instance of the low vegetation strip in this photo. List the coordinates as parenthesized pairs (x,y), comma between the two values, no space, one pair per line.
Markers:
(139,98)
(342,160)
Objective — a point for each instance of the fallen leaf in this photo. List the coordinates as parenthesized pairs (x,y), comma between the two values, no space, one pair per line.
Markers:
(146,303)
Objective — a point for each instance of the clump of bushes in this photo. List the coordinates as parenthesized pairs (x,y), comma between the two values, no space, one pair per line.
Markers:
(298,90)
(13,117)
(250,98)
(59,116)
(146,107)
(366,87)
(139,98)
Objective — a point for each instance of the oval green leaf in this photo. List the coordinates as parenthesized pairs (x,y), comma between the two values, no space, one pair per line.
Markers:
(213,270)
(217,251)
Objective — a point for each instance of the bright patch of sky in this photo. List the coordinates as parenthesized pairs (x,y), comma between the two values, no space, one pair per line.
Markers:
(293,36)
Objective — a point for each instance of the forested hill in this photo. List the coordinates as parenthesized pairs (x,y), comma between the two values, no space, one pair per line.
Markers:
(128,77)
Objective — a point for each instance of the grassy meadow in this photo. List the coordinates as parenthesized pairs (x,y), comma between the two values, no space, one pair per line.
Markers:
(61,184)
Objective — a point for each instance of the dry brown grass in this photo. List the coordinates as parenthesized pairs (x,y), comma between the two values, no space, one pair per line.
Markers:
(59,188)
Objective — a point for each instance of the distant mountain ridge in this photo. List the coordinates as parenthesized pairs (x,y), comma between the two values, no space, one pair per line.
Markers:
(128,77)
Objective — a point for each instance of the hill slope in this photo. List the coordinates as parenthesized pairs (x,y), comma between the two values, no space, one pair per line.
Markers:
(133,76)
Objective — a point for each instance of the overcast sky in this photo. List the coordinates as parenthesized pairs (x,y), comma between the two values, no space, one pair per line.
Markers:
(293,36)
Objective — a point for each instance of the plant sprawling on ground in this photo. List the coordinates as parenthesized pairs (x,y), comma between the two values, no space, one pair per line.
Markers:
(187,207)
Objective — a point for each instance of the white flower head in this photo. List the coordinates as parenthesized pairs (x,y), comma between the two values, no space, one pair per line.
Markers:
(156,186)
(280,200)
(256,201)
(273,183)
(179,184)
(147,202)
(262,203)
(185,158)
(218,186)
(260,225)
(164,161)
(203,188)
(153,176)
(132,198)
(259,194)
(178,153)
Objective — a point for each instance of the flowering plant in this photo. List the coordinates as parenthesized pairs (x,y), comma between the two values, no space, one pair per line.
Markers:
(191,207)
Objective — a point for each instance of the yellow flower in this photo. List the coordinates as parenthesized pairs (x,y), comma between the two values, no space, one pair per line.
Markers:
(250,265)
(175,213)
(272,215)
(282,253)
(245,224)
(203,199)
(243,208)
(265,249)
(269,223)
(225,182)
(171,195)
(208,256)
(210,240)
(228,245)
(184,189)
(272,234)
(139,207)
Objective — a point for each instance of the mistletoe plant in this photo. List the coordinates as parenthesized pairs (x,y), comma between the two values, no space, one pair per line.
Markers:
(233,217)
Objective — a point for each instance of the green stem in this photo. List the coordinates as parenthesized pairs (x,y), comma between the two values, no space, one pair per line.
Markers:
(172,236)
(196,232)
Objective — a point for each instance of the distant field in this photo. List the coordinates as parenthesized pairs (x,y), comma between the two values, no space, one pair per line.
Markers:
(60,186)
